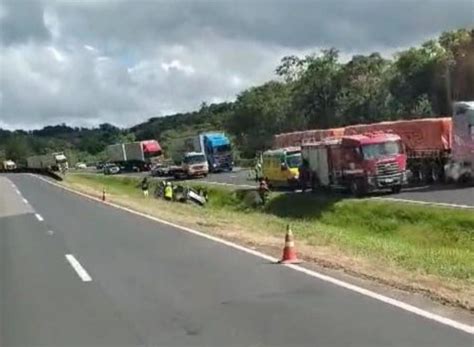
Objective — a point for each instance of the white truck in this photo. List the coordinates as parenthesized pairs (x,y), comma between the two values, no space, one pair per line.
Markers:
(460,168)
(52,161)
(8,165)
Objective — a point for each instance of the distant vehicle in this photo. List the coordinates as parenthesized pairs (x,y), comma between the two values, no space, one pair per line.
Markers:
(280,167)
(461,166)
(194,165)
(216,147)
(360,163)
(8,165)
(80,166)
(99,166)
(53,161)
(160,170)
(111,169)
(134,156)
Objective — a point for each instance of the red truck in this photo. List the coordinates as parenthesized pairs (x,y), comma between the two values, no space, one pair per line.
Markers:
(427,142)
(361,163)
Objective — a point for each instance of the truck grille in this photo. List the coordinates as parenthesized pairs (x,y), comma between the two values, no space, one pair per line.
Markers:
(385,169)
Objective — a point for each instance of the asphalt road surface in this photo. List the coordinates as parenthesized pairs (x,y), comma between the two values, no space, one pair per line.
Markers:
(75,272)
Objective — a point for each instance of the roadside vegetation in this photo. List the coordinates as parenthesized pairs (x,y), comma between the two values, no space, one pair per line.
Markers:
(419,248)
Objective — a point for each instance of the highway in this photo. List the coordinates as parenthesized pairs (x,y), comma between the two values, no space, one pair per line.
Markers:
(75,272)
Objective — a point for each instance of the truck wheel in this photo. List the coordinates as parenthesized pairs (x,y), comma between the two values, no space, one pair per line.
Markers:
(397,189)
(357,188)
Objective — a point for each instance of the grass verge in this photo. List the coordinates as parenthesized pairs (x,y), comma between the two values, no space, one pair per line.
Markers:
(418,248)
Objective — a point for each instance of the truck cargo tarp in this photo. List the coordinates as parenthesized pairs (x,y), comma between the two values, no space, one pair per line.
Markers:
(418,135)
(298,138)
(151,146)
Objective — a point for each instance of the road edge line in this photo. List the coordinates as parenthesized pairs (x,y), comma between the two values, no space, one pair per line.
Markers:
(360,290)
(425,203)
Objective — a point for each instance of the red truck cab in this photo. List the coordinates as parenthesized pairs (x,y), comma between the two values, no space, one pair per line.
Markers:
(361,163)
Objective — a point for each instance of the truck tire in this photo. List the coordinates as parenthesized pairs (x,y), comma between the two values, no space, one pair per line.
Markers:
(397,189)
(357,188)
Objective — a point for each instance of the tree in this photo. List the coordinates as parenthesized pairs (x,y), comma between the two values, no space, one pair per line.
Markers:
(363,95)
(259,113)
(315,93)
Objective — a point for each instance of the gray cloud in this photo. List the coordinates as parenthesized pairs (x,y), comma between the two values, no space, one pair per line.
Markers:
(22,20)
(86,62)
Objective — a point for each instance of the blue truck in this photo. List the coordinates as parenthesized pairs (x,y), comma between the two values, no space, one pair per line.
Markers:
(216,147)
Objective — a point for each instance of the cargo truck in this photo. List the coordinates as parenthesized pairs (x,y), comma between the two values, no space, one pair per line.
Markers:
(427,142)
(460,167)
(216,147)
(52,161)
(134,156)
(359,163)
(8,165)
(194,164)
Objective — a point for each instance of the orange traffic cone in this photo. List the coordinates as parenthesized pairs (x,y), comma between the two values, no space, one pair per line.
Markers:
(289,252)
(103,194)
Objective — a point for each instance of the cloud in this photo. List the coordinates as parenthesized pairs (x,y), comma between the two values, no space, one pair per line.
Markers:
(88,62)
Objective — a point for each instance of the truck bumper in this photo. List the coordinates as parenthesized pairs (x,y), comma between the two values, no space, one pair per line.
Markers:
(383,182)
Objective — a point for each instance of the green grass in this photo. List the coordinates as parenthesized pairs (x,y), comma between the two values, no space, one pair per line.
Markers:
(422,239)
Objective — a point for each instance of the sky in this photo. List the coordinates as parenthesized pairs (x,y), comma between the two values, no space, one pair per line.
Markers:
(93,61)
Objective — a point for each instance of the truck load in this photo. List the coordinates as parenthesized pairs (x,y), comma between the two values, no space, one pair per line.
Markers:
(8,165)
(360,163)
(216,147)
(134,156)
(427,143)
(52,161)
(460,168)
(298,138)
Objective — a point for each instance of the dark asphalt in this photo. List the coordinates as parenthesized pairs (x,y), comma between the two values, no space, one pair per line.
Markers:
(154,285)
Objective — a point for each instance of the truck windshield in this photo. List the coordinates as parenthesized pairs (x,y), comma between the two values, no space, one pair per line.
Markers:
(194,159)
(377,150)
(222,149)
(293,159)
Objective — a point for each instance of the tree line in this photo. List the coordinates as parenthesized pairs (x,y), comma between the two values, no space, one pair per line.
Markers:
(315,91)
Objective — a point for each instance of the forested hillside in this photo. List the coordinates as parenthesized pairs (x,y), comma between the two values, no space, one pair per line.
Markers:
(316,91)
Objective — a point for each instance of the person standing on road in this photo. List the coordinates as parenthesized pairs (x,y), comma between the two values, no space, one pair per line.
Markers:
(145,186)
(263,190)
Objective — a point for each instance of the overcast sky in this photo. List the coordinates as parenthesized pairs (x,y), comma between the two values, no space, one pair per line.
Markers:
(88,62)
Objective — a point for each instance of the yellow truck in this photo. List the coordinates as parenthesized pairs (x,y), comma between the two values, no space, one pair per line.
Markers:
(280,167)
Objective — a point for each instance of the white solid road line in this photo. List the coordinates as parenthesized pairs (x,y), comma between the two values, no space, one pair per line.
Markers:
(38,217)
(81,272)
(394,302)
(25,201)
(427,203)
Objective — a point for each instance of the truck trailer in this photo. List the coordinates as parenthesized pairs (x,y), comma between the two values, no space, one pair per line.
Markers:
(216,147)
(134,156)
(52,161)
(359,163)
